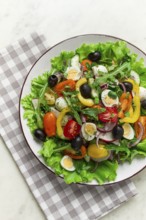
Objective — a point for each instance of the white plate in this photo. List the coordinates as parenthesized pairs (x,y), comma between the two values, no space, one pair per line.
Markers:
(125,170)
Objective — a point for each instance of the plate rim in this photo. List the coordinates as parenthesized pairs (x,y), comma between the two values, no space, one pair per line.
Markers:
(20,96)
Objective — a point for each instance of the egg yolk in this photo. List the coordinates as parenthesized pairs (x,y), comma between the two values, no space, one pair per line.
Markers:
(89,129)
(67,162)
(126,128)
(109,100)
(72,74)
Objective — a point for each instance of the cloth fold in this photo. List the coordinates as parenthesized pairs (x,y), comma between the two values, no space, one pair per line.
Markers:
(57,200)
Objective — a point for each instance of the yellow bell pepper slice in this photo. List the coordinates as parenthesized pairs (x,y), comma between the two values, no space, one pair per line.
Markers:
(59,119)
(97,152)
(136,101)
(131,111)
(87,102)
(136,113)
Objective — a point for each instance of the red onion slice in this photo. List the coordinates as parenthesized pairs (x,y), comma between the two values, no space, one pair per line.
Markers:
(106,137)
(97,137)
(123,87)
(83,118)
(104,86)
(108,127)
(139,136)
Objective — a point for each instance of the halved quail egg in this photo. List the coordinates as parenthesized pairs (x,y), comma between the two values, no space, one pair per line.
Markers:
(67,163)
(73,73)
(88,131)
(128,131)
(109,98)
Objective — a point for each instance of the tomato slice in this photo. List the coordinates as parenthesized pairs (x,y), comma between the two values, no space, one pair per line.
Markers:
(110,115)
(60,87)
(84,62)
(71,129)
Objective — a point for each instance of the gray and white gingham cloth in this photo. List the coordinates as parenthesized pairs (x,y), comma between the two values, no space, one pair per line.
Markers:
(57,200)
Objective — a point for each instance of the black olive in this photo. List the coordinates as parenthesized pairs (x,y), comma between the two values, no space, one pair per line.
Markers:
(40,134)
(76,143)
(85,90)
(53,80)
(118,132)
(128,86)
(143,104)
(95,56)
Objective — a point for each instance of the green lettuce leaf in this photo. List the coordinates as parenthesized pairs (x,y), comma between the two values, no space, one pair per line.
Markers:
(34,115)
(139,150)
(106,170)
(48,148)
(38,84)
(126,153)
(53,145)
(117,51)
(62,61)
(139,67)
(85,49)
(122,149)
(29,114)
(142,146)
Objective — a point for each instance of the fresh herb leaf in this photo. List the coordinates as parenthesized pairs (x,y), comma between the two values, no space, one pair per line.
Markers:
(112,76)
(112,95)
(122,149)
(89,74)
(92,112)
(74,108)
(76,116)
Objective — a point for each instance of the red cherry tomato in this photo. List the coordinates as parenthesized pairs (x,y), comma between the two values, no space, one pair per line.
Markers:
(110,115)
(71,129)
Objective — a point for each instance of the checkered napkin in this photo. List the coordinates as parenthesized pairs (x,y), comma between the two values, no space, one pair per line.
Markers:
(57,200)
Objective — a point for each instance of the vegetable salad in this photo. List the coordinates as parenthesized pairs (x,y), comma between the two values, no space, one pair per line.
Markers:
(89,111)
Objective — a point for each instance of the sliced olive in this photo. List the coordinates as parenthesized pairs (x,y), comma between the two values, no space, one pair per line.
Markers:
(85,90)
(59,75)
(52,80)
(76,143)
(40,134)
(95,56)
(128,86)
(118,132)
(143,104)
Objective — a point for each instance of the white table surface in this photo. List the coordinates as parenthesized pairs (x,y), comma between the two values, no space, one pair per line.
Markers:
(58,20)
